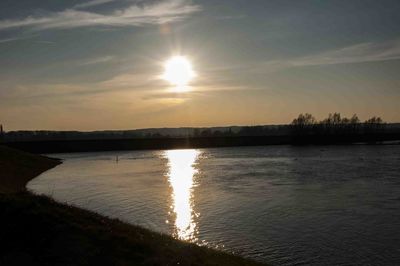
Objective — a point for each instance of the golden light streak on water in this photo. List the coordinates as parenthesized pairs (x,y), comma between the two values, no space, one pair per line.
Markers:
(180,176)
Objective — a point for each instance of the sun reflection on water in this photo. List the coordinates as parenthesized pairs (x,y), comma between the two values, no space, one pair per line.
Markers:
(180,176)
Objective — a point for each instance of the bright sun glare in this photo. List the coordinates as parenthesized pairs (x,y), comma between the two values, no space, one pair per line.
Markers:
(178,71)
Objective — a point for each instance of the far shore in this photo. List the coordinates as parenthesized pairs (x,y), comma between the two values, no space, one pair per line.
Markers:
(94,145)
(36,230)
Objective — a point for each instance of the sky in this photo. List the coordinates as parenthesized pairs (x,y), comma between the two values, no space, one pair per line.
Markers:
(97,64)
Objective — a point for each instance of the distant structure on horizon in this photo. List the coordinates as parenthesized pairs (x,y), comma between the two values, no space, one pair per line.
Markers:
(1,132)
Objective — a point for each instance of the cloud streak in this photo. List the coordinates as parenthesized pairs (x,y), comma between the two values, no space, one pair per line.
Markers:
(92,3)
(358,53)
(18,38)
(10,40)
(98,60)
(364,52)
(134,15)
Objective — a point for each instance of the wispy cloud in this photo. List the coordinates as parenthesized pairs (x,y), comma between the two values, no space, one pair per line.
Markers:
(132,80)
(231,17)
(9,40)
(18,38)
(359,53)
(364,52)
(45,42)
(134,15)
(92,3)
(98,60)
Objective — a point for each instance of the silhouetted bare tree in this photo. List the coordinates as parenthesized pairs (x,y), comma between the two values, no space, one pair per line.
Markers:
(335,124)
(374,120)
(304,120)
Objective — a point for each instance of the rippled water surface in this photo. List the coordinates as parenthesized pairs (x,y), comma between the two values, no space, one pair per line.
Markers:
(336,205)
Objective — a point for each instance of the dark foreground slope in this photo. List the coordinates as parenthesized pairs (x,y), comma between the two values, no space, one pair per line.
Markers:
(38,231)
(17,168)
(35,230)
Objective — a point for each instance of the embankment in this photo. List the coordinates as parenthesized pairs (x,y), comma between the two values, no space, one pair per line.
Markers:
(35,230)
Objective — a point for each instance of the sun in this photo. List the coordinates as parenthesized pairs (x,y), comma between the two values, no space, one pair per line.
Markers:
(178,71)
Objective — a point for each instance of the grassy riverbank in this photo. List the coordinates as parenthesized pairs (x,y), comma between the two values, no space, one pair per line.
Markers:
(17,168)
(35,230)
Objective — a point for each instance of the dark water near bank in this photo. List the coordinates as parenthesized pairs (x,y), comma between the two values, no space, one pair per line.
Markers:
(336,205)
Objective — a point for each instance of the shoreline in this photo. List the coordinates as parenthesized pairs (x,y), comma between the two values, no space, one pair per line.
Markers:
(40,231)
(94,145)
(19,167)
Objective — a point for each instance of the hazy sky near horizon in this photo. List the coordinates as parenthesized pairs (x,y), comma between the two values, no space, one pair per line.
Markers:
(95,64)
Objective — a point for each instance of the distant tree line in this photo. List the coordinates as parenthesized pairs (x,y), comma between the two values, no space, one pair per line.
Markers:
(271,130)
(336,124)
(304,124)
(234,131)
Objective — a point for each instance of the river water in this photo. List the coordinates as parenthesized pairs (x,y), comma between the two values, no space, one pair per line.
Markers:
(333,205)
